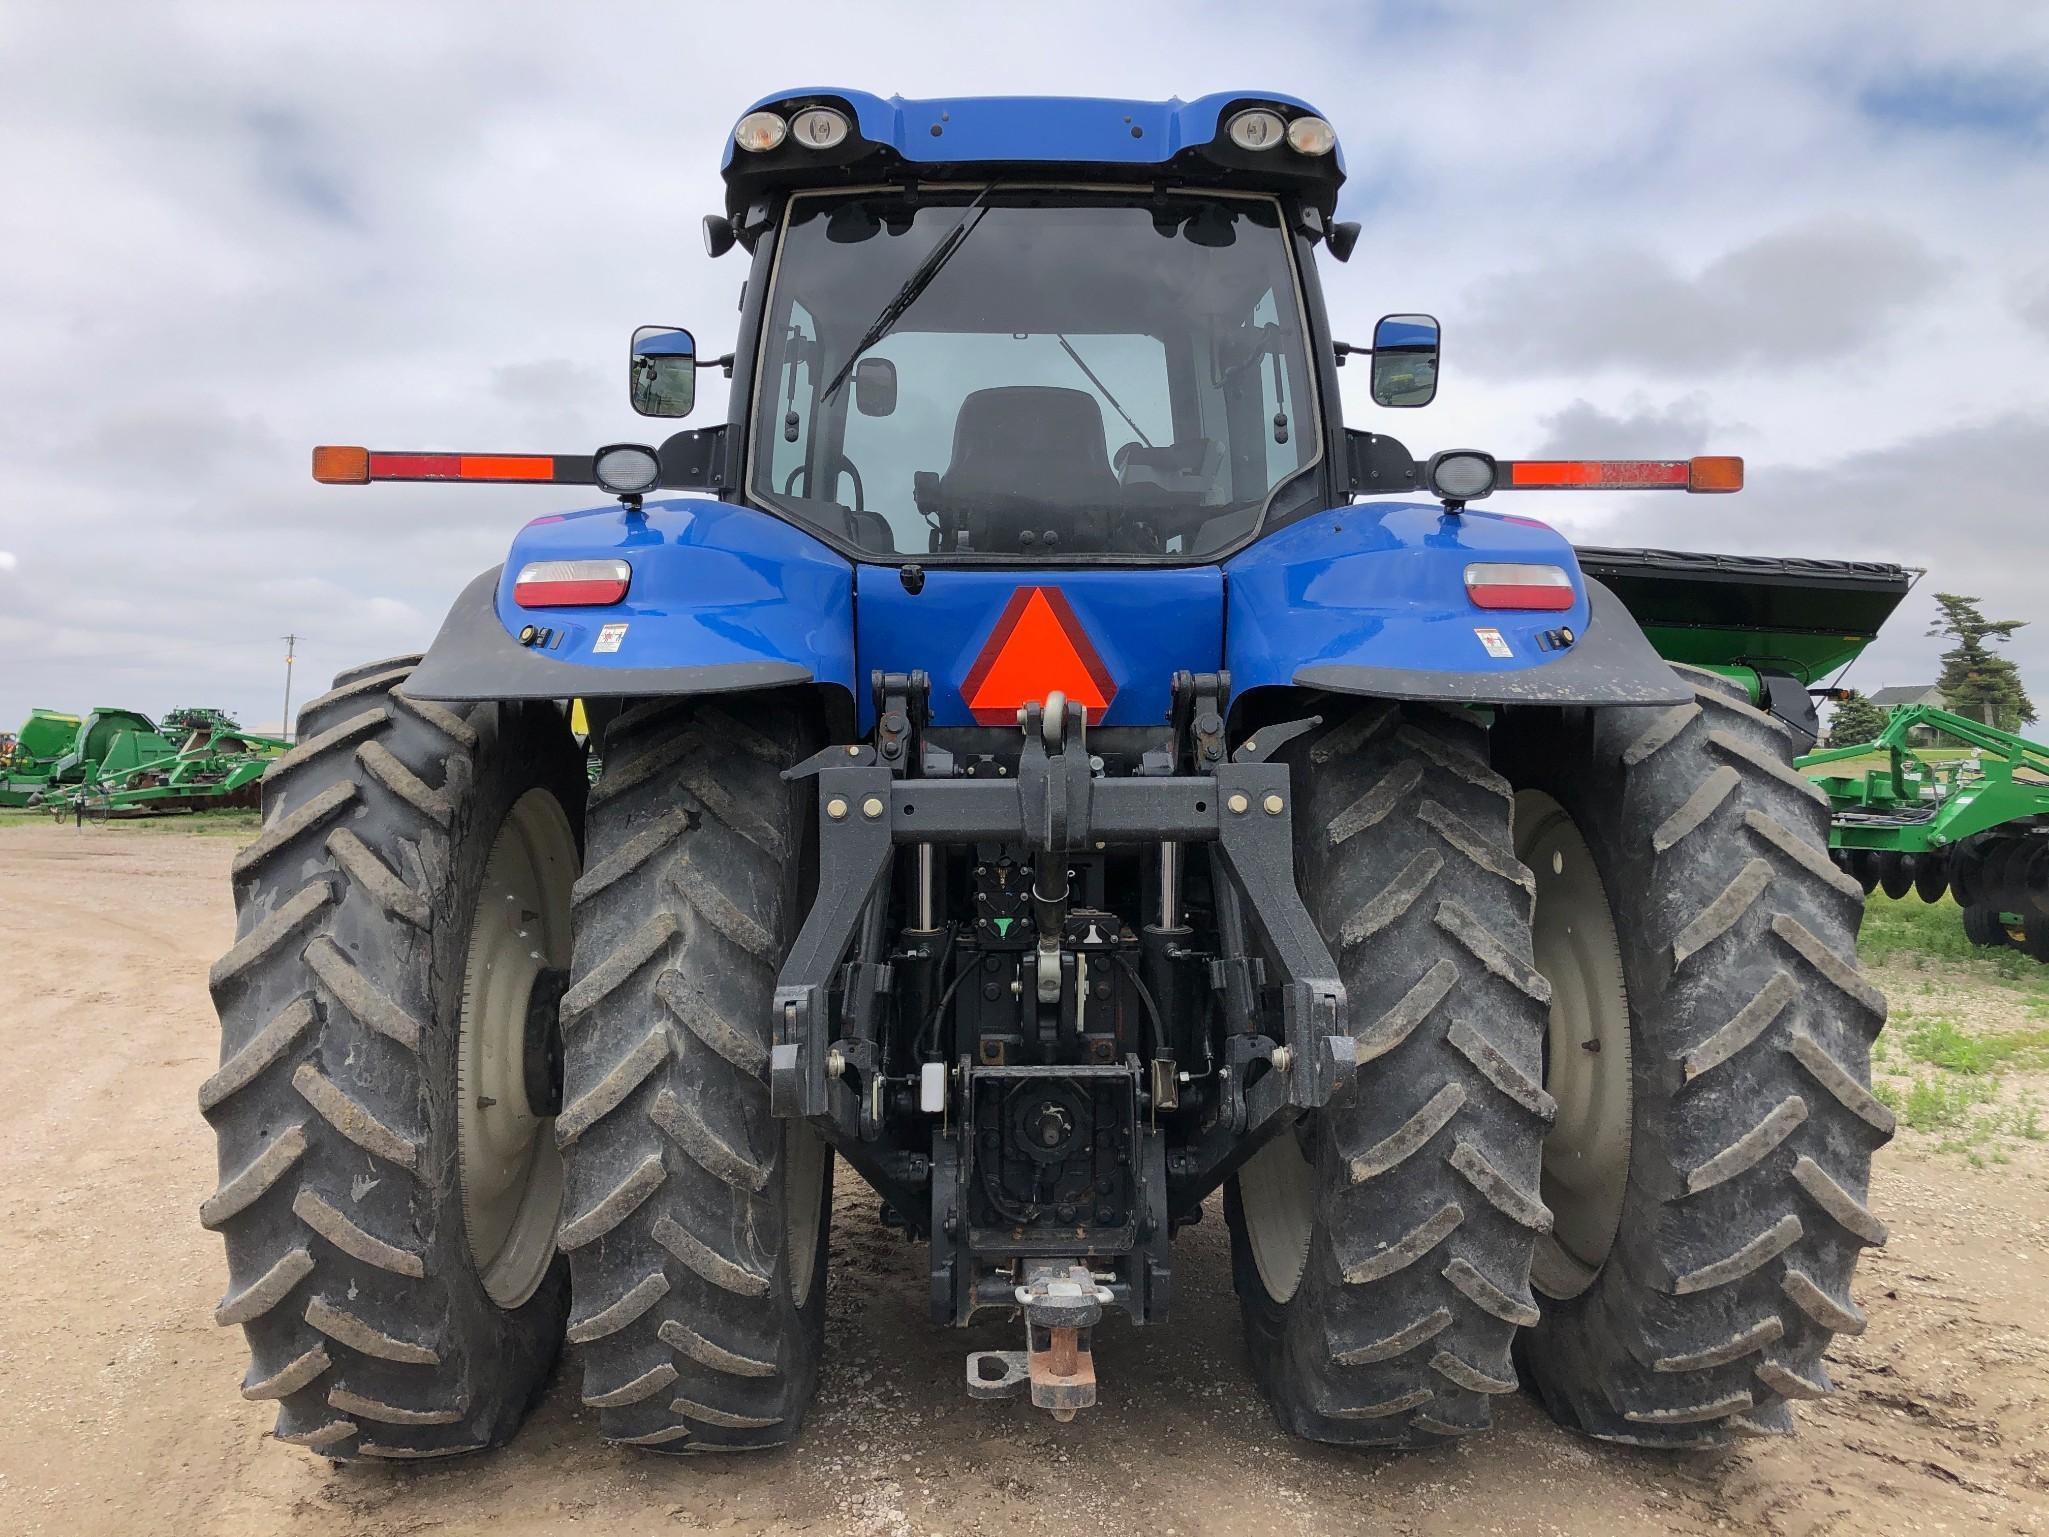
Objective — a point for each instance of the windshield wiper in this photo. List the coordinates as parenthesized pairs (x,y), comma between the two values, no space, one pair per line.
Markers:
(1104,390)
(914,285)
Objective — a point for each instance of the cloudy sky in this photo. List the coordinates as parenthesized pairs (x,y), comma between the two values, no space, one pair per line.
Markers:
(1816,235)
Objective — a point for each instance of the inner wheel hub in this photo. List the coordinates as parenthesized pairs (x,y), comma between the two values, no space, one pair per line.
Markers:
(508,1062)
(1277,1189)
(1586,1050)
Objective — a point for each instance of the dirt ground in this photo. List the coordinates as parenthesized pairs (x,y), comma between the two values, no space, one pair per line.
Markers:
(119,1411)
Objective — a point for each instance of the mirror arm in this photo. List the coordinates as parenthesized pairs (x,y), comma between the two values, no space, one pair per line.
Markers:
(695,460)
(1376,465)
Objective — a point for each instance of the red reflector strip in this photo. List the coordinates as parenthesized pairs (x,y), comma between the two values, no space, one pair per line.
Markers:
(1504,585)
(1610,474)
(571,583)
(540,467)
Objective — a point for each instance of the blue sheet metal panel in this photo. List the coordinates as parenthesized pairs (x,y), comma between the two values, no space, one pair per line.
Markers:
(1382,584)
(1143,623)
(1092,130)
(712,583)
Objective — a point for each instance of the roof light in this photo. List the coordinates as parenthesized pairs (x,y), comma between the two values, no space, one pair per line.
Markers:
(1493,584)
(1256,129)
(571,583)
(819,128)
(760,132)
(626,469)
(1312,136)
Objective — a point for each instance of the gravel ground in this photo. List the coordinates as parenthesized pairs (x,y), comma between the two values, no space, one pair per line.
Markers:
(119,1411)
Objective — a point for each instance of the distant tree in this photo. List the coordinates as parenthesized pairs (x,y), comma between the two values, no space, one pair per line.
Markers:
(1974,682)
(1856,719)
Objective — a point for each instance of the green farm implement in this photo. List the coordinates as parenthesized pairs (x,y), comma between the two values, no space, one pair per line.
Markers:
(30,757)
(1774,627)
(199,760)
(119,763)
(1976,827)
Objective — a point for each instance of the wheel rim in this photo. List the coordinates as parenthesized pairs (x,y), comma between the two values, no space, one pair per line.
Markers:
(511,1173)
(1586,1048)
(803,1189)
(1277,1194)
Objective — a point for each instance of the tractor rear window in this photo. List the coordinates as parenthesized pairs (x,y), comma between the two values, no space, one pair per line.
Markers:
(1035,374)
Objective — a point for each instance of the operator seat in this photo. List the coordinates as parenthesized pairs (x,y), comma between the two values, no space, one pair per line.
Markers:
(1028,459)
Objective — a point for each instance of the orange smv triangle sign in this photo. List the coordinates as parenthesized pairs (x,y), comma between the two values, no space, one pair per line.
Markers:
(1038,646)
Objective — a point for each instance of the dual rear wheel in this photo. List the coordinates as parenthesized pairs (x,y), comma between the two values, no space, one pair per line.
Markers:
(441,927)
(1677,1115)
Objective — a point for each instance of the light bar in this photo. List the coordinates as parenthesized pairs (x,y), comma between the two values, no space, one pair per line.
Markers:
(1705,473)
(1493,584)
(571,583)
(343,466)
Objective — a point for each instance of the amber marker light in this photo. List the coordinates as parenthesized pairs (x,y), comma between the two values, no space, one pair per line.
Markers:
(1715,472)
(334,465)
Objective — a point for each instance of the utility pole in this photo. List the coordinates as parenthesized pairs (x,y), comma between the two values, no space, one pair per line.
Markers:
(291,648)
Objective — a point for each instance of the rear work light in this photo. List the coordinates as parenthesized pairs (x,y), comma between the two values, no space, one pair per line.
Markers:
(571,583)
(1499,585)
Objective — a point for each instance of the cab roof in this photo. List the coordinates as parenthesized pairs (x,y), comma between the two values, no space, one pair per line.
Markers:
(1037,138)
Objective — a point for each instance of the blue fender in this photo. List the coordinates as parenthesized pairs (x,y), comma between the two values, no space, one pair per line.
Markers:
(1371,599)
(723,598)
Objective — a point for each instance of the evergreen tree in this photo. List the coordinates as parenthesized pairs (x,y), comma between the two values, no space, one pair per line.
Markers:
(1856,719)
(1974,682)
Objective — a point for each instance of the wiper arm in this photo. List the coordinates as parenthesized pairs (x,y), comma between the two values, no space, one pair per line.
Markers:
(1104,390)
(914,285)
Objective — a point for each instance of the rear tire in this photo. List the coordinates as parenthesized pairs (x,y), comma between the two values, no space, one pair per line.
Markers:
(340,1100)
(2035,937)
(696,1228)
(1985,927)
(1745,1161)
(1381,1252)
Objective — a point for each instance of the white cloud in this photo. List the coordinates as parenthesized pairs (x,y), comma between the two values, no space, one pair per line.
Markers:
(241,229)
(9,561)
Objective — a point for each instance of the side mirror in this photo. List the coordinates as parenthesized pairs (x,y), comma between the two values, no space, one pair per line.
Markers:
(661,379)
(875,386)
(1342,239)
(1405,360)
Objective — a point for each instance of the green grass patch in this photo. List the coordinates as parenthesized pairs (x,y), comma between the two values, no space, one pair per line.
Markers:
(238,823)
(1942,1104)
(1911,932)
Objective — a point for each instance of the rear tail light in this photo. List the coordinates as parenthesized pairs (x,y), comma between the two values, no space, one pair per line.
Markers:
(1494,585)
(571,583)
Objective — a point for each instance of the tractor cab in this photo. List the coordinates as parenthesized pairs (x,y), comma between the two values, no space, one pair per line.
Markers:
(971,351)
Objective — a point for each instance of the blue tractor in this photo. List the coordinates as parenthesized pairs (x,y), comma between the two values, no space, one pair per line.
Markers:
(1048,764)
